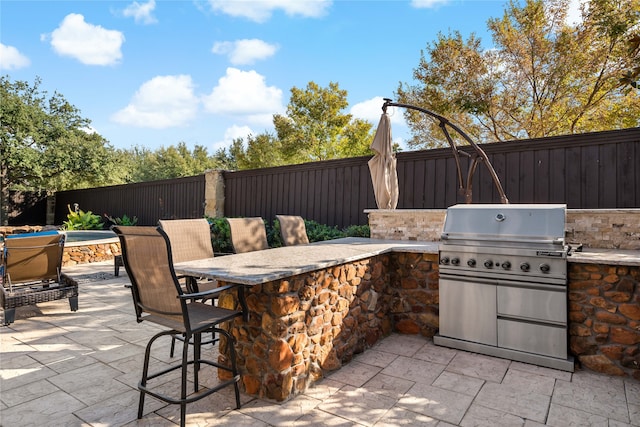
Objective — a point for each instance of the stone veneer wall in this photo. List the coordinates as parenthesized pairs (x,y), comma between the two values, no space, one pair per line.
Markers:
(594,228)
(604,318)
(305,326)
(73,255)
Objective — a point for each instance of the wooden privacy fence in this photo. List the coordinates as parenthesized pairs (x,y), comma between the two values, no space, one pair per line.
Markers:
(148,201)
(594,170)
(585,171)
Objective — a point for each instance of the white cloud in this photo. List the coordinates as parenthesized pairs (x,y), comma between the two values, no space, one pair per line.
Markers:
(141,12)
(231,133)
(89,44)
(160,103)
(425,4)
(574,15)
(11,58)
(261,11)
(244,93)
(246,51)
(371,110)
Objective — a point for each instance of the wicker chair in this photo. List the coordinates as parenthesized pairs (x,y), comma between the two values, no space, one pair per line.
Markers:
(292,230)
(31,272)
(247,234)
(159,298)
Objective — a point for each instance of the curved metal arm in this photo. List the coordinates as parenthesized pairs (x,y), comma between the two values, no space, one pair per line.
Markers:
(480,155)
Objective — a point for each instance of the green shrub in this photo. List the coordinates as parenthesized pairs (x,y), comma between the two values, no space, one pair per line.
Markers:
(125,220)
(221,237)
(357,231)
(80,220)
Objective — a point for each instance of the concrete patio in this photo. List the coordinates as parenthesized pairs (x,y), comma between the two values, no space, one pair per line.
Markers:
(81,369)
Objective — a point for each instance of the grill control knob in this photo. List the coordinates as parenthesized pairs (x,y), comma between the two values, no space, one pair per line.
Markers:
(444,260)
(488,263)
(455,261)
(471,262)
(525,266)
(506,265)
(545,268)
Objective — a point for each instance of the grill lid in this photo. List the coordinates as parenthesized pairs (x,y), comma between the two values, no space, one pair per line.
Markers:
(506,223)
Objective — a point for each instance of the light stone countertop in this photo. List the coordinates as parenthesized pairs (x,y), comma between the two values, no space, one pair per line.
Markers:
(253,268)
(606,256)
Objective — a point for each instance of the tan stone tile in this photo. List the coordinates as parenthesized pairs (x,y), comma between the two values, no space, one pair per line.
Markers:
(529,381)
(49,407)
(393,387)
(375,358)
(414,370)
(91,384)
(402,345)
(560,416)
(358,405)
(481,416)
(27,392)
(278,414)
(354,373)
(458,383)
(435,402)
(433,353)
(118,409)
(541,370)
(323,389)
(14,377)
(479,366)
(64,360)
(514,400)
(398,417)
(607,398)
(321,418)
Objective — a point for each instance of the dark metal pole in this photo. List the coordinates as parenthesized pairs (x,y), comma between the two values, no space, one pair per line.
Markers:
(479,156)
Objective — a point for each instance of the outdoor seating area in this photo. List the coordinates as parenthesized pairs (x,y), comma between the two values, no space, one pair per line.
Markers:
(62,368)
(31,272)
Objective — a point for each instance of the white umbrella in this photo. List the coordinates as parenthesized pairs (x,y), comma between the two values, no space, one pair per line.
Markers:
(383,166)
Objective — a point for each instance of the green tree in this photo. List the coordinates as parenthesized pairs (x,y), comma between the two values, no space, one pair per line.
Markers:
(171,162)
(46,145)
(261,151)
(542,78)
(316,128)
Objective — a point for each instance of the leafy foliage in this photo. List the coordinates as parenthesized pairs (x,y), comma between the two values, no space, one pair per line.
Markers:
(315,128)
(543,77)
(81,220)
(125,220)
(221,237)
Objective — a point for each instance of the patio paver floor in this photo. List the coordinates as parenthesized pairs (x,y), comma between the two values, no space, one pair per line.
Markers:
(81,369)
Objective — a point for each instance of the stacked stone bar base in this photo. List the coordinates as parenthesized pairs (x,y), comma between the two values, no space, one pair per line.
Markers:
(306,326)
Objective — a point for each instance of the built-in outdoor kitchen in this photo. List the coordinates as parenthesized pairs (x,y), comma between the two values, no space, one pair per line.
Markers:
(601,249)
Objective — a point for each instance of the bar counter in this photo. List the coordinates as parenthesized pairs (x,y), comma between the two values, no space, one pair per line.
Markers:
(253,268)
(313,307)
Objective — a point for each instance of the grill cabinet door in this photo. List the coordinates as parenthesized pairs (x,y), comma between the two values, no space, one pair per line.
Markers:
(468,310)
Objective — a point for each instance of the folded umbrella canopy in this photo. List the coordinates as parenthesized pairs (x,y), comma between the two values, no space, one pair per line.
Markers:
(383,166)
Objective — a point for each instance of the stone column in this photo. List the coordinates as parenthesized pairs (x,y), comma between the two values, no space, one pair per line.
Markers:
(214,193)
(51,209)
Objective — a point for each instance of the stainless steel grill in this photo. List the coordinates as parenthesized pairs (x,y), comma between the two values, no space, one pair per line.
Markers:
(503,282)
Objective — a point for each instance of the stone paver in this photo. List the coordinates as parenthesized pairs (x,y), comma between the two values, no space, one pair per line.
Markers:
(79,369)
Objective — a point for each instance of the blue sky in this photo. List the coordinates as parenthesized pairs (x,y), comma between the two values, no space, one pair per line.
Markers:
(156,73)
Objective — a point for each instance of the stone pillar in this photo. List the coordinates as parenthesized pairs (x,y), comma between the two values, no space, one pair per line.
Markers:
(214,193)
(51,210)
